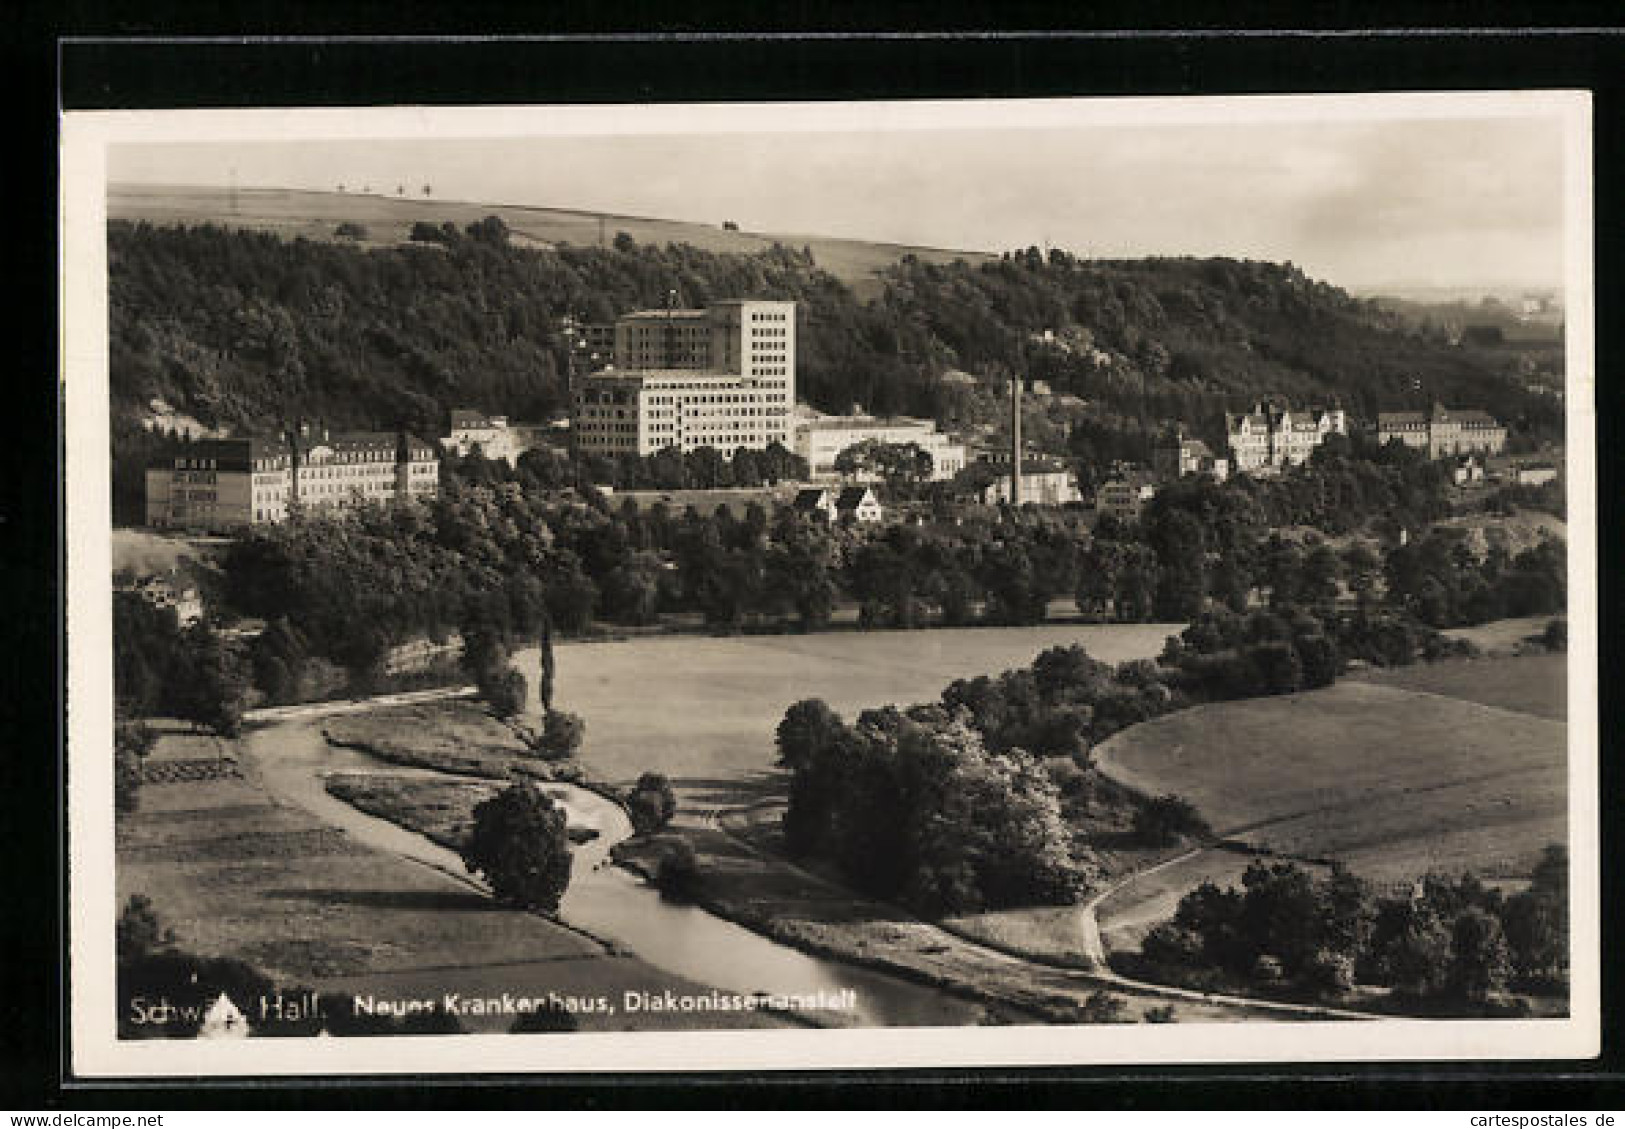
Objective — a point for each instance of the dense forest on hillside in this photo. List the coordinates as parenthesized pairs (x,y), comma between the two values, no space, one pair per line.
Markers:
(242,329)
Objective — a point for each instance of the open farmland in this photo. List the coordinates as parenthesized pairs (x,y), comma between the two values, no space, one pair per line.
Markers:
(704,711)
(236,874)
(1392,781)
(291,214)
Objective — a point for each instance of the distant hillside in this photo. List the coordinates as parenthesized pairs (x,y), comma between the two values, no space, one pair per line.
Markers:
(243,328)
(388,219)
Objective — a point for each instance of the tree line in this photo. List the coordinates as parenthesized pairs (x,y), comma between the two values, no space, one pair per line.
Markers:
(987,798)
(1448,944)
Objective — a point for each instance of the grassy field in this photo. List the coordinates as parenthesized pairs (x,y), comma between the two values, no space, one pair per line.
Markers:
(457,735)
(1534,684)
(704,710)
(389,219)
(1505,637)
(237,875)
(1393,781)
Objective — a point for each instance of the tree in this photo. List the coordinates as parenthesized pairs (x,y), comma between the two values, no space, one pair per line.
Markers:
(805,730)
(216,687)
(1410,947)
(132,741)
(519,845)
(1536,920)
(491,231)
(652,803)
(1479,962)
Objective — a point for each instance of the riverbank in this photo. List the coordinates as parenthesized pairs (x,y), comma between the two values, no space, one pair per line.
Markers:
(237,872)
(746,880)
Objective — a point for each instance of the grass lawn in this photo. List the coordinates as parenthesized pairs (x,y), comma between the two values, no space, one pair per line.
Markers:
(704,710)
(235,874)
(1392,781)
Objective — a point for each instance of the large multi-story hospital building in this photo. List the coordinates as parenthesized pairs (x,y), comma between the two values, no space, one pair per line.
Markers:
(722,377)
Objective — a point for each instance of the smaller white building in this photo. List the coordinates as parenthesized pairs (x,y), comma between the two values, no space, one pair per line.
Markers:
(495,436)
(820,439)
(1043,483)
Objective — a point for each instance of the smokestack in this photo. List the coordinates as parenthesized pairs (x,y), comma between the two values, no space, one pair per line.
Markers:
(1015,439)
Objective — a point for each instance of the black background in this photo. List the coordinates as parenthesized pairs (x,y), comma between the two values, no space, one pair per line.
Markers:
(107,56)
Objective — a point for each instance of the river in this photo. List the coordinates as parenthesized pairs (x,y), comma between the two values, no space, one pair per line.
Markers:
(291,758)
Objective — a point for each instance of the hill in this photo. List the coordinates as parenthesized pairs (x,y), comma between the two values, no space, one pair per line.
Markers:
(228,326)
(290,213)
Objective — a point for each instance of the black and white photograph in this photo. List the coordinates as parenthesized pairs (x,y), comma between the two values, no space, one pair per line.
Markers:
(796,585)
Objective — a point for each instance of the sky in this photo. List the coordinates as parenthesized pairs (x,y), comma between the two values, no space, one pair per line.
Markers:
(1430,201)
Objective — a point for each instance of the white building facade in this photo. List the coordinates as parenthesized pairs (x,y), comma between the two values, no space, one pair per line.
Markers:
(820,439)
(1268,439)
(494,436)
(721,377)
(220,485)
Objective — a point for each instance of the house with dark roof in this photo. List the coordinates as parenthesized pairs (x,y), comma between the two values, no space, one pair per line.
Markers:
(858,505)
(852,505)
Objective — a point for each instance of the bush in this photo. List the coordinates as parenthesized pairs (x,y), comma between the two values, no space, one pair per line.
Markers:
(561,735)
(351,230)
(504,690)
(678,874)
(519,843)
(1104,1007)
(1328,973)
(1164,820)
(1556,635)
(1169,944)
(1163,1014)
(139,931)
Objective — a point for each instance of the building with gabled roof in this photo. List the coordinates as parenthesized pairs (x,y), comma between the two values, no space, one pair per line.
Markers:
(1442,431)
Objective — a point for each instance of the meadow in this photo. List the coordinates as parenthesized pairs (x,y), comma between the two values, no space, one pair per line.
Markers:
(704,710)
(1447,767)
